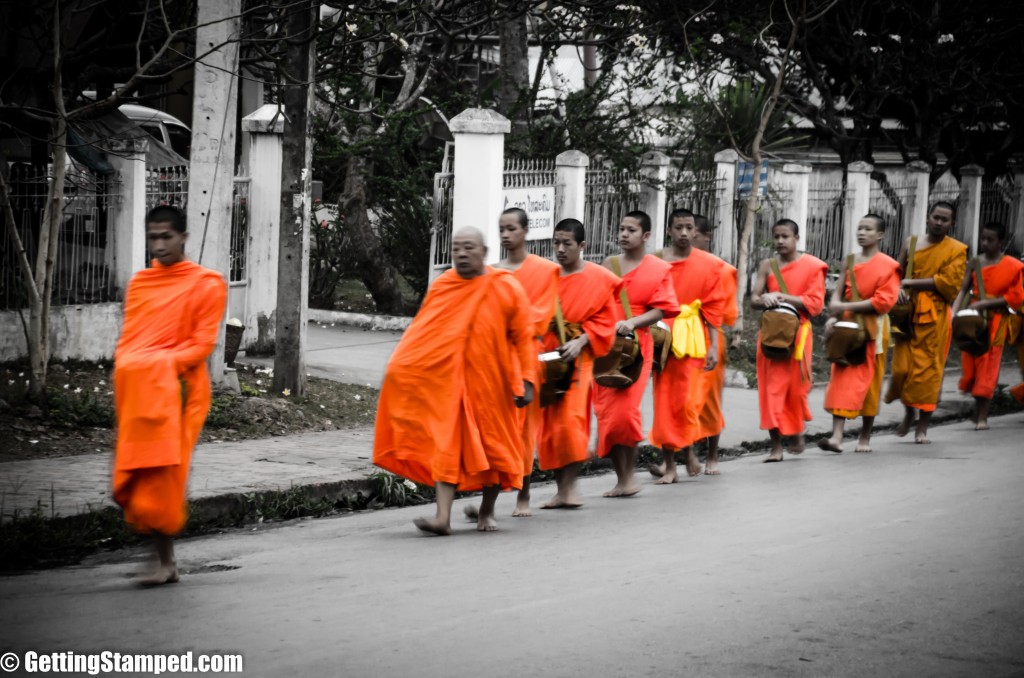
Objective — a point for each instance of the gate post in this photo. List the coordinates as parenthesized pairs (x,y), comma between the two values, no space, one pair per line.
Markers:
(571,181)
(969,211)
(919,172)
(858,204)
(479,173)
(725,163)
(654,168)
(798,177)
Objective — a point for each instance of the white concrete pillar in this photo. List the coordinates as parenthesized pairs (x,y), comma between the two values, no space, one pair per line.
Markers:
(264,127)
(858,203)
(128,215)
(798,179)
(969,209)
(212,160)
(1015,227)
(250,99)
(654,168)
(919,172)
(571,179)
(479,173)
(725,163)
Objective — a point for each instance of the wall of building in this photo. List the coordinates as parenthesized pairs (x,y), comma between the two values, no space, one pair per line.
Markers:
(87,332)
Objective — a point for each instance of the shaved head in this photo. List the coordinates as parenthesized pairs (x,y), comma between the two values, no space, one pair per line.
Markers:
(469,252)
(469,232)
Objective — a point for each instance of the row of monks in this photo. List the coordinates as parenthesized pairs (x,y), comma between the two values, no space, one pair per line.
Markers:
(460,409)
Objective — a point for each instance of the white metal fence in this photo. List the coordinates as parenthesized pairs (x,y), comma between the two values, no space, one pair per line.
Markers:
(85,263)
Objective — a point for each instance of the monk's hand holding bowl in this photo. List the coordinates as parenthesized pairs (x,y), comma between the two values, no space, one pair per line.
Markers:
(571,349)
(771,299)
(904,297)
(830,324)
(625,327)
(527,397)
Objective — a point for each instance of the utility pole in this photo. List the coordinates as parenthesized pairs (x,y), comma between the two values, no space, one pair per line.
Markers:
(212,158)
(296,182)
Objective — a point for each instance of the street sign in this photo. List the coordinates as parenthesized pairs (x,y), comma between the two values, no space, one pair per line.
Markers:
(745,179)
(539,204)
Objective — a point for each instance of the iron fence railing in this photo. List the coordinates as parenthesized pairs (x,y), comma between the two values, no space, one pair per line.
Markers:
(826,216)
(239,230)
(84,268)
(895,204)
(610,193)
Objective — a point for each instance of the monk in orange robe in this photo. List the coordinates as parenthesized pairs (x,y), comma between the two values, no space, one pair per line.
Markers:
(854,390)
(783,385)
(172,314)
(447,410)
(588,294)
(539,279)
(679,388)
(918,362)
(712,417)
(647,282)
(1003,278)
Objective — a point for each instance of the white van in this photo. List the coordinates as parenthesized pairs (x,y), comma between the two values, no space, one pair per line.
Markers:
(161,126)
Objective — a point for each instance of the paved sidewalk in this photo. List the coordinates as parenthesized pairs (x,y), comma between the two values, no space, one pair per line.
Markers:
(71,485)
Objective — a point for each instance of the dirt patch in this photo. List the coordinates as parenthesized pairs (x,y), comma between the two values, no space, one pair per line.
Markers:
(79,415)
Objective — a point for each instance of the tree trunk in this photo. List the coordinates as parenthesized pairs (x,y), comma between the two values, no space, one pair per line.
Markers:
(373,263)
(293,245)
(514,73)
(46,260)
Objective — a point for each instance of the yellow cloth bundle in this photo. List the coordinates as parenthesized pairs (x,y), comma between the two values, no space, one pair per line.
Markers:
(688,332)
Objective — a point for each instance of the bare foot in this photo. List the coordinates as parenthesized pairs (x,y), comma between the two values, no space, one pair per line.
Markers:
(693,467)
(557,502)
(656,470)
(829,445)
(774,456)
(863,446)
(163,574)
(487,524)
(798,445)
(668,478)
(522,509)
(433,526)
(711,468)
(922,439)
(471,511)
(904,427)
(621,490)
(981,426)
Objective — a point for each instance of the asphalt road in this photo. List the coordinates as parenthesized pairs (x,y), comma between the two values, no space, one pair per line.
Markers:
(904,562)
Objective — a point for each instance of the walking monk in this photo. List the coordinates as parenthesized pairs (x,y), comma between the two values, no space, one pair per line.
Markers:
(172,314)
(647,285)
(1002,278)
(679,388)
(539,278)
(854,390)
(587,296)
(918,361)
(712,419)
(447,410)
(783,384)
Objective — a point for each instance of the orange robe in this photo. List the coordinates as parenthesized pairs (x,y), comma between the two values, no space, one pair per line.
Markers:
(783,385)
(446,411)
(172,315)
(712,419)
(539,278)
(918,363)
(980,374)
(619,421)
(854,390)
(679,387)
(588,299)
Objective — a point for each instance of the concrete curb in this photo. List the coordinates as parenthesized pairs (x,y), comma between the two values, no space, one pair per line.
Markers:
(392,323)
